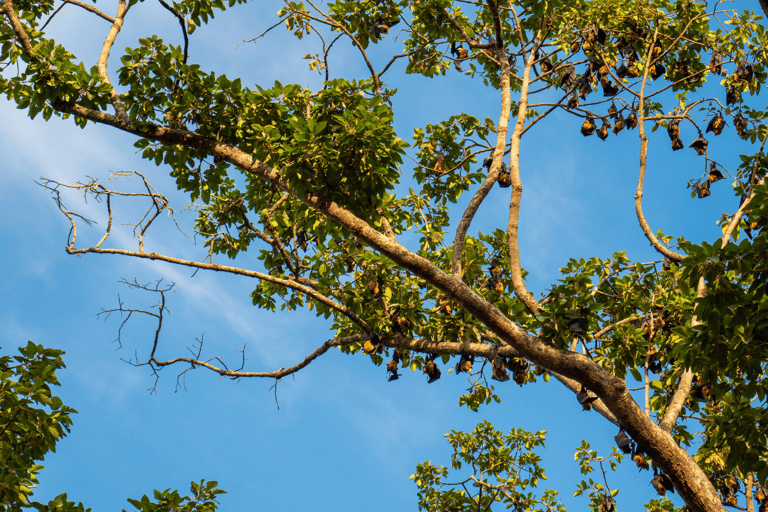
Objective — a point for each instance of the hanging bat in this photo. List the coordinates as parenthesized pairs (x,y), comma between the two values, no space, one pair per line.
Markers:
(673,129)
(585,398)
(632,120)
(618,125)
(382,27)
(716,64)
(603,131)
(573,101)
(607,504)
(744,72)
(640,461)
(432,371)
(623,441)
(740,123)
(439,165)
(465,364)
(589,126)
(714,173)
(608,88)
(505,177)
(716,124)
(657,70)
(699,145)
(499,372)
(568,77)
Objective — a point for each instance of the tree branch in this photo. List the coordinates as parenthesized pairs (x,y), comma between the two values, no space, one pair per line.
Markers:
(92,9)
(643,162)
(104,56)
(498,157)
(517,189)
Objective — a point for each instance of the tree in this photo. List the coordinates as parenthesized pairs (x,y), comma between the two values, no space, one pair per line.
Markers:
(315,181)
(28,433)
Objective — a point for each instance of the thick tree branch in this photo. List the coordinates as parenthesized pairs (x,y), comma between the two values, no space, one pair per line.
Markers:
(18,28)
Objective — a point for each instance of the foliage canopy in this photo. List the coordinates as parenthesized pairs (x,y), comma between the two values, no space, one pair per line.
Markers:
(315,183)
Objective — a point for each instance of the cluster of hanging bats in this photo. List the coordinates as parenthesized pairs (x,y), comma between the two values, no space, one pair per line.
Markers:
(598,71)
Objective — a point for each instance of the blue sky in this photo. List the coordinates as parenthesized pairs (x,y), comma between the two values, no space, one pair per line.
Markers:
(343,437)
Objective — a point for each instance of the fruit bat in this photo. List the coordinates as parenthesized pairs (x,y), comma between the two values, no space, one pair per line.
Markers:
(700,145)
(439,165)
(598,34)
(714,173)
(585,398)
(462,53)
(573,101)
(488,161)
(373,345)
(301,239)
(744,72)
(521,372)
(505,177)
(673,129)
(612,110)
(701,189)
(677,144)
(382,27)
(740,123)
(575,46)
(656,50)
(682,68)
(392,368)
(603,131)
(584,86)
(618,125)
(657,70)
(732,96)
(402,323)
(465,364)
(716,64)
(588,128)
(640,461)
(568,77)
(623,71)
(761,494)
(574,326)
(632,71)
(608,88)
(733,483)
(623,441)
(716,124)
(662,484)
(499,372)
(632,120)
(546,66)
(607,504)
(432,371)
